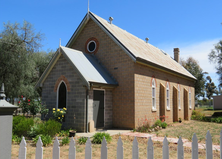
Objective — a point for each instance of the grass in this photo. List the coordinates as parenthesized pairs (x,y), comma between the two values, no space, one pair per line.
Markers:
(188,128)
(96,150)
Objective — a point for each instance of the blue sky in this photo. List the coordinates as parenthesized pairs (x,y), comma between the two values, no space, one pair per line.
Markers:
(192,25)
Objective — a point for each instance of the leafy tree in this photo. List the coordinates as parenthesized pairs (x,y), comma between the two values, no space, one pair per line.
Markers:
(20,62)
(17,68)
(216,57)
(210,87)
(194,68)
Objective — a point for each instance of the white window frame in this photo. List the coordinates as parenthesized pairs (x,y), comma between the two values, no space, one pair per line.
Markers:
(190,102)
(168,96)
(179,102)
(153,95)
(57,100)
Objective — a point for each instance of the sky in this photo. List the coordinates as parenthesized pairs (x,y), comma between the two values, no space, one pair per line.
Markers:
(193,26)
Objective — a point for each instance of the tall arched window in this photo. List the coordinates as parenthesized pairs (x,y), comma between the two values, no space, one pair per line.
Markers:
(179,96)
(61,96)
(153,94)
(168,95)
(190,98)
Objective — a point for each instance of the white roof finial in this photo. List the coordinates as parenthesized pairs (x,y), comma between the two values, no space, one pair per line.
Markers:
(88,6)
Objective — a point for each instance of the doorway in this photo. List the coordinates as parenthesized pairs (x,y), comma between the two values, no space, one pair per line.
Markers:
(185,103)
(175,104)
(98,108)
(162,101)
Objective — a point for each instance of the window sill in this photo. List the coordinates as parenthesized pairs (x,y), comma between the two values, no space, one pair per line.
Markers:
(168,108)
(190,108)
(154,110)
(179,108)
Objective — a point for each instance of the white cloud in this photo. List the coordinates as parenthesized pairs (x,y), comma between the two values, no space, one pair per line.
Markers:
(199,51)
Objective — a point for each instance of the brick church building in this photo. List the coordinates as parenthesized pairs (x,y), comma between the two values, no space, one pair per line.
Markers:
(110,76)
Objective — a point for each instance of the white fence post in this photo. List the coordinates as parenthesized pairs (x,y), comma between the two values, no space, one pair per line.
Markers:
(194,147)
(104,153)
(209,146)
(150,149)
(72,149)
(221,144)
(22,149)
(39,149)
(165,149)
(180,152)
(135,149)
(56,149)
(88,149)
(119,152)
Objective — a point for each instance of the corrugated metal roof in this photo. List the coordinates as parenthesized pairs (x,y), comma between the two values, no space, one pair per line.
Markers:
(88,66)
(140,49)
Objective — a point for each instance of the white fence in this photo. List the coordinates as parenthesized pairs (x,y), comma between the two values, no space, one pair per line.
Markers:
(135,149)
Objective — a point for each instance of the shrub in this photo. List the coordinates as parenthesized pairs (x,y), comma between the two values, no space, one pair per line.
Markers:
(46,139)
(16,139)
(50,127)
(33,131)
(21,125)
(58,114)
(98,138)
(158,123)
(65,140)
(143,125)
(63,133)
(82,140)
(164,124)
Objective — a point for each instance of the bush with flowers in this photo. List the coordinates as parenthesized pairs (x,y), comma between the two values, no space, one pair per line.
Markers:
(59,114)
(33,105)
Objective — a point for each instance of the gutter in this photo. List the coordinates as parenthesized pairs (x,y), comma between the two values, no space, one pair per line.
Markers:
(87,105)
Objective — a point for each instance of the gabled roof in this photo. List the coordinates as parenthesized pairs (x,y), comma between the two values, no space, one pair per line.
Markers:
(86,65)
(136,48)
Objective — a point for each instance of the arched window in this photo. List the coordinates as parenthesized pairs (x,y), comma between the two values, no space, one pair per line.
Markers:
(153,94)
(168,95)
(190,98)
(61,96)
(179,96)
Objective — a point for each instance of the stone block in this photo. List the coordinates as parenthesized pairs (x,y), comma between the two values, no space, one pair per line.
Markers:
(91,126)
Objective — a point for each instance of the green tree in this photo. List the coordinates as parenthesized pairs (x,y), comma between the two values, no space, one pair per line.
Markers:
(194,68)
(216,57)
(20,62)
(210,87)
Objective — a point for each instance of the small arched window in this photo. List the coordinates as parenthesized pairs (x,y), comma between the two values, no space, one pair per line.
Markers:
(179,96)
(61,96)
(153,94)
(168,96)
(190,99)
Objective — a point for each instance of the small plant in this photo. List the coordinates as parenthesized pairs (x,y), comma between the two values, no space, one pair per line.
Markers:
(50,127)
(46,139)
(16,139)
(180,120)
(65,140)
(63,133)
(58,114)
(98,138)
(164,124)
(82,140)
(158,123)
(144,125)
